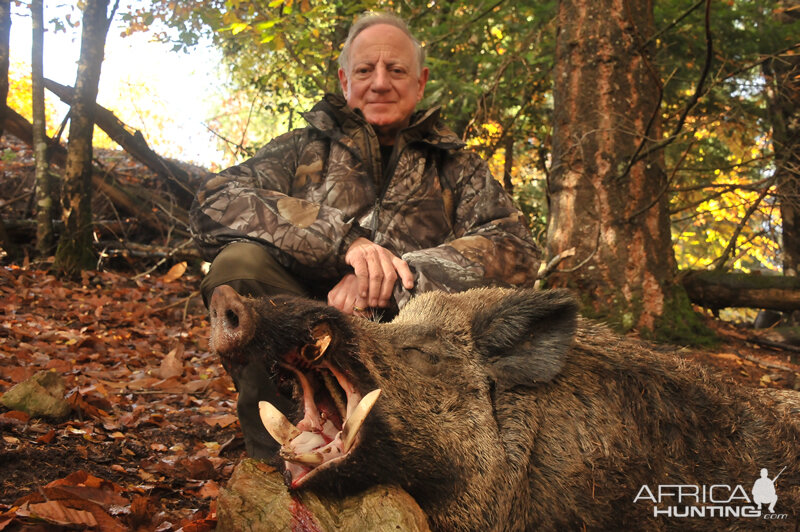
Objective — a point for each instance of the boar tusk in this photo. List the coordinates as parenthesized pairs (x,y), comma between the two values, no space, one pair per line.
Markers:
(306,459)
(356,419)
(278,426)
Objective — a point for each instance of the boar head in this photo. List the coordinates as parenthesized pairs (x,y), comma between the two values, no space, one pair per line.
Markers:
(421,401)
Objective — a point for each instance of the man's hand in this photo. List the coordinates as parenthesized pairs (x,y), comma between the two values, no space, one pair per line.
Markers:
(376,270)
(344,296)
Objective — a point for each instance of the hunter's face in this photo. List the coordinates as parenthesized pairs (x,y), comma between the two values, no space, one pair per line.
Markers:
(384,79)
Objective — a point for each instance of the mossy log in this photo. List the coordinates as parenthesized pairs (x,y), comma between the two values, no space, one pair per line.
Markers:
(256,498)
(716,290)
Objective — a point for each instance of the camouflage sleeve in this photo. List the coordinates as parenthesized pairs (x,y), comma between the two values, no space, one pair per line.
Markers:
(492,245)
(251,202)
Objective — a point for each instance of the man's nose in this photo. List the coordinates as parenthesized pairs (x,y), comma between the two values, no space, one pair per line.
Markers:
(380,81)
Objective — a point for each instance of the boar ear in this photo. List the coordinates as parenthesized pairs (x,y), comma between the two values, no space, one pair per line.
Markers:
(526,335)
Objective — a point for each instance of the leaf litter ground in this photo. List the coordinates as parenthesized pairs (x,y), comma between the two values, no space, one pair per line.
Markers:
(153,435)
(152,432)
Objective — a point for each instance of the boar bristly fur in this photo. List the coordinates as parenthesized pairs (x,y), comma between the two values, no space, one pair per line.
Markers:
(504,410)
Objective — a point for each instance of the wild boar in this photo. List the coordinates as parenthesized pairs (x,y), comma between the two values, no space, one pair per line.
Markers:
(504,410)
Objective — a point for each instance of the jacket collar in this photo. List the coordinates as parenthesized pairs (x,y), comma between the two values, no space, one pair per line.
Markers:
(333,117)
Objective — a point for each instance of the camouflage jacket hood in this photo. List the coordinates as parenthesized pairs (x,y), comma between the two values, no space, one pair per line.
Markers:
(308,194)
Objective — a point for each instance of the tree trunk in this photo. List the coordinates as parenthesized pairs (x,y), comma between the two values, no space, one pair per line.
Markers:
(782,75)
(44,182)
(615,214)
(5,32)
(5,36)
(75,246)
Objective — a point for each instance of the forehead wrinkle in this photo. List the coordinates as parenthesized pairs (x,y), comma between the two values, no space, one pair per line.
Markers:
(362,53)
(386,54)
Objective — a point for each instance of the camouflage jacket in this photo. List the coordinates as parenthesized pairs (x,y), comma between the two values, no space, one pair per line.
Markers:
(308,194)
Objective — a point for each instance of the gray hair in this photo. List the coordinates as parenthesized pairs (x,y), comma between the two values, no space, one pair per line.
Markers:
(372,19)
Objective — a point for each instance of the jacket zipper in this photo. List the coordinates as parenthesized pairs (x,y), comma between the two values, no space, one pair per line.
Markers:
(376,209)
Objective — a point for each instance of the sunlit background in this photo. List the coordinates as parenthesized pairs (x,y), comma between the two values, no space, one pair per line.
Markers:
(169,96)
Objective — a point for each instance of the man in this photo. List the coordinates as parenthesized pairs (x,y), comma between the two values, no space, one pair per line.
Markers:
(368,205)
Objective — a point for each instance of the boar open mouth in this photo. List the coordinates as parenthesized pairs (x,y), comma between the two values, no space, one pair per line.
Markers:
(334,411)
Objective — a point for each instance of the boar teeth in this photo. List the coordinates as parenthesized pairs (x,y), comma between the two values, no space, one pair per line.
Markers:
(276,423)
(356,419)
(306,459)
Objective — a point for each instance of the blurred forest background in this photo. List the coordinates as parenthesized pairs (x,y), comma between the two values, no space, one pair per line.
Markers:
(644,141)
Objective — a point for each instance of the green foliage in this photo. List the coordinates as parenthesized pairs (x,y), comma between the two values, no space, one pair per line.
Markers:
(489,61)
(490,68)
(722,159)
(8,155)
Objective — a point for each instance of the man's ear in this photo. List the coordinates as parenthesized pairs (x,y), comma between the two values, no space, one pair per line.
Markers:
(423,79)
(525,338)
(343,82)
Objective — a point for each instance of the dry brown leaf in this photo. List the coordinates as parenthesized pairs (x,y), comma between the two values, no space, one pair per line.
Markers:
(728,356)
(15,416)
(210,490)
(47,438)
(222,420)
(56,513)
(174,273)
(172,364)
(6,520)
(77,402)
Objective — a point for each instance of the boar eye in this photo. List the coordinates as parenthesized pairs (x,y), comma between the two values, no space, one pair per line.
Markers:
(419,359)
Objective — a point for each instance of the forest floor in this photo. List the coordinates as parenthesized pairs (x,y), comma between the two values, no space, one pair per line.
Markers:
(152,435)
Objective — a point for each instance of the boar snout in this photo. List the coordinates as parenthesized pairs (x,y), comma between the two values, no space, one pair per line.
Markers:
(232,322)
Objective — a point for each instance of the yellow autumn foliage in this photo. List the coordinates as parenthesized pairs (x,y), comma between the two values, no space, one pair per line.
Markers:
(135,104)
(700,235)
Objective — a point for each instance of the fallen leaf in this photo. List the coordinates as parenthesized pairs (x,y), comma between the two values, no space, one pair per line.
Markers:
(77,402)
(174,273)
(210,490)
(47,438)
(222,420)
(199,468)
(172,364)
(728,356)
(5,520)
(56,513)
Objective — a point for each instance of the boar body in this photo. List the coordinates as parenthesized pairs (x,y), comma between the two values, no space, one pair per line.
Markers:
(503,410)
